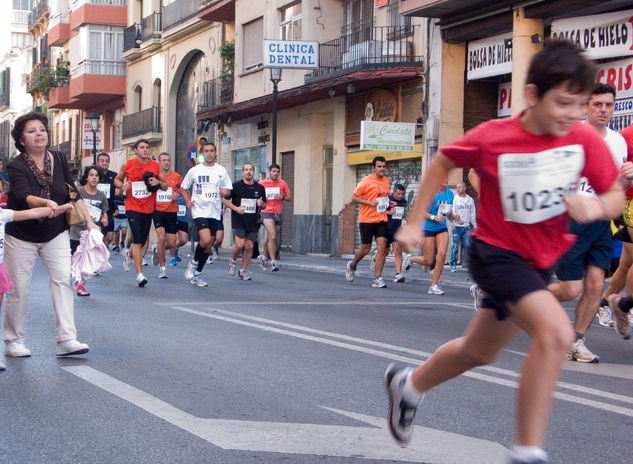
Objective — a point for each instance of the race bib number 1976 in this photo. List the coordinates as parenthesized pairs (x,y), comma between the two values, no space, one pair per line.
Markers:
(532,185)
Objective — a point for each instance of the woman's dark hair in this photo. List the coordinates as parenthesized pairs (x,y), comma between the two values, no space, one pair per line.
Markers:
(560,62)
(20,123)
(84,176)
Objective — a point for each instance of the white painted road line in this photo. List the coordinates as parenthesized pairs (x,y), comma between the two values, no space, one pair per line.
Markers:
(373,442)
(476,374)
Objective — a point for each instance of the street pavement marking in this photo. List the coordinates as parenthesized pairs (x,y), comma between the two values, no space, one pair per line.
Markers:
(428,445)
(415,361)
(329,303)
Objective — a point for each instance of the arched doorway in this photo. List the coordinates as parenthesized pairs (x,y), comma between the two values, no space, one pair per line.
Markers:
(187,98)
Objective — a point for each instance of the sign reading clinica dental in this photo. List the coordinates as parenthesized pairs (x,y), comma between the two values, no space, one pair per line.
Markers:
(293,54)
(394,136)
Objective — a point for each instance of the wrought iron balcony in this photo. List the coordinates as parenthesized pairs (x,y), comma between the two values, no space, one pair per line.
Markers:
(144,122)
(178,12)
(217,92)
(362,48)
(37,13)
(151,27)
(132,37)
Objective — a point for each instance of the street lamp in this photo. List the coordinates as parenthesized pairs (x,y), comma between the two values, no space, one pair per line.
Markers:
(275,77)
(94,125)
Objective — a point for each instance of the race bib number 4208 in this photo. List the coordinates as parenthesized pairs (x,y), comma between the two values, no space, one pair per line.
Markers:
(532,185)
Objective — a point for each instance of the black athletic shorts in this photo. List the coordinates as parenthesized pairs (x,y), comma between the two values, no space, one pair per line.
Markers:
(166,220)
(207,223)
(369,230)
(110,226)
(139,224)
(504,276)
(183,226)
(247,234)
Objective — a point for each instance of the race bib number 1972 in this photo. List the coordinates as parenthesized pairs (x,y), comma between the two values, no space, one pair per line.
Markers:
(532,185)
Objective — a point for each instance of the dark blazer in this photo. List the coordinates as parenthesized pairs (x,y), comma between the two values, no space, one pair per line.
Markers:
(22,184)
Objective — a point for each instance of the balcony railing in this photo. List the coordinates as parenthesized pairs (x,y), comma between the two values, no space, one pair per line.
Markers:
(59,18)
(151,27)
(99,67)
(75,4)
(132,37)
(144,122)
(38,11)
(21,16)
(216,92)
(382,46)
(179,12)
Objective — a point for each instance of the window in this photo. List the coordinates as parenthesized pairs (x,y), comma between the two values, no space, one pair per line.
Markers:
(255,155)
(291,22)
(399,25)
(138,98)
(21,40)
(102,50)
(23,5)
(253,51)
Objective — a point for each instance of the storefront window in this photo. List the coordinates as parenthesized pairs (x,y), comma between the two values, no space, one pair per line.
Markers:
(255,155)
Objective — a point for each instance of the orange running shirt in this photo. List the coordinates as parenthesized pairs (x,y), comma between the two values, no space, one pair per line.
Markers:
(371,188)
(279,187)
(138,198)
(164,202)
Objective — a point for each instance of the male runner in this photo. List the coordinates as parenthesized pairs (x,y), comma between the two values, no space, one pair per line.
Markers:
(141,178)
(182,236)
(208,182)
(372,193)
(120,220)
(543,149)
(247,198)
(395,215)
(166,213)
(106,185)
(277,191)
(581,271)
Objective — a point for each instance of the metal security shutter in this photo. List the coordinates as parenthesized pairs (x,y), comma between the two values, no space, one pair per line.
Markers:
(288,174)
(253,34)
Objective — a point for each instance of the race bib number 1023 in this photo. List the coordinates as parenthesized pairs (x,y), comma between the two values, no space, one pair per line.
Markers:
(532,185)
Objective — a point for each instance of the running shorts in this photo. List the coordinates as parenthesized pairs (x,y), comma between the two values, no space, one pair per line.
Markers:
(277,217)
(244,234)
(139,224)
(207,223)
(166,220)
(369,230)
(593,246)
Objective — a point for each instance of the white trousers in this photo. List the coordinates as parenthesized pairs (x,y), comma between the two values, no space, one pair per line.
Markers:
(20,260)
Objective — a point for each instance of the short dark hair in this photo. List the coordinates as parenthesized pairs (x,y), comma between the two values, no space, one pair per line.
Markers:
(102,154)
(20,123)
(164,153)
(209,143)
(139,141)
(274,166)
(399,187)
(87,169)
(560,62)
(376,159)
(246,164)
(600,89)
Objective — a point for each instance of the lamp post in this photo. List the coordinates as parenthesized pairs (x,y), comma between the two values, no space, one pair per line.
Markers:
(275,77)
(94,125)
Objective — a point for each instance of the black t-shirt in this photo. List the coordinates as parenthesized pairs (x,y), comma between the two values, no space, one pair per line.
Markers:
(395,219)
(108,178)
(246,195)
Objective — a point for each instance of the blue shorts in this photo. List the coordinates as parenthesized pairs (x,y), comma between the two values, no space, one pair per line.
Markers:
(593,246)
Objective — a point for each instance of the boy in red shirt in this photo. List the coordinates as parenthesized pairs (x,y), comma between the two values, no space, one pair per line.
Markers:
(529,167)
(277,191)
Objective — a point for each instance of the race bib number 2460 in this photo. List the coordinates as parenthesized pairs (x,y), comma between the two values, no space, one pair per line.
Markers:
(532,185)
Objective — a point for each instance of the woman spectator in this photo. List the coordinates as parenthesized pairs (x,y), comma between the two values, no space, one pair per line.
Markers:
(39,177)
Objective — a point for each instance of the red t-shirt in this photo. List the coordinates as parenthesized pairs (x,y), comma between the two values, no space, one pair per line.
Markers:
(628,137)
(138,197)
(163,201)
(273,188)
(523,179)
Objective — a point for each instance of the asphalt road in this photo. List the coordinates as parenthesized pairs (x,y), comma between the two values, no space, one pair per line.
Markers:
(286,368)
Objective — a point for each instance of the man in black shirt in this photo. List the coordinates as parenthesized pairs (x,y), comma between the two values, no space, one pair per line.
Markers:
(106,185)
(247,198)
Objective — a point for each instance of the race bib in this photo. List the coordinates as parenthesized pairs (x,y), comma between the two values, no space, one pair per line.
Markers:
(443,209)
(585,189)
(271,192)
(95,213)
(105,188)
(250,205)
(139,190)
(210,191)
(164,196)
(398,212)
(532,185)
(182,210)
(121,209)
(383,204)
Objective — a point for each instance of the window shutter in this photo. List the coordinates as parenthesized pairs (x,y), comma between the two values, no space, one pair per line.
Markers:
(253,48)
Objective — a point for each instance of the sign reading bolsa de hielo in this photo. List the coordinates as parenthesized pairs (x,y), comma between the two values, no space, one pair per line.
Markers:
(393,136)
(294,54)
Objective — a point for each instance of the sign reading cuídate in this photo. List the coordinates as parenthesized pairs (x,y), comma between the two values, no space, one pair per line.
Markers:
(293,54)
(393,136)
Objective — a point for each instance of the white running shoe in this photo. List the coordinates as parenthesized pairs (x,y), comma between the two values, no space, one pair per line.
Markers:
(621,320)
(210,260)
(263,262)
(399,278)
(127,261)
(191,269)
(605,318)
(162,274)
(144,262)
(70,348)
(401,413)
(243,275)
(474,292)
(232,267)
(406,262)
(379,283)
(16,350)
(197,281)
(141,281)
(435,290)
(155,254)
(372,262)
(579,352)
(349,272)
